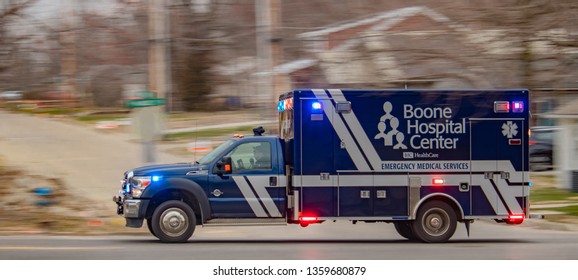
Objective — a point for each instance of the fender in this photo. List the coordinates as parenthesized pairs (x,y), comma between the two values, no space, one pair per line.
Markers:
(414,212)
(183,185)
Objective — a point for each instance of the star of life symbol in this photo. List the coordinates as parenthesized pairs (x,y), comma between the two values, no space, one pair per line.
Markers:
(393,124)
(509,129)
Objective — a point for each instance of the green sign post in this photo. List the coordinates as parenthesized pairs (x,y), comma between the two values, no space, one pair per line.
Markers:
(147,120)
(148,102)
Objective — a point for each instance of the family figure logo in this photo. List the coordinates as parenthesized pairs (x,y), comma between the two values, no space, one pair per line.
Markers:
(387,127)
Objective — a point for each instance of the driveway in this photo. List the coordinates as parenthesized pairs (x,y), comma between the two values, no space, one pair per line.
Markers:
(90,162)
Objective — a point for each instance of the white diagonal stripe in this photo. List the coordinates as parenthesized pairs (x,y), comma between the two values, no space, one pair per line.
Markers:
(249,196)
(342,131)
(259,183)
(509,196)
(491,194)
(358,132)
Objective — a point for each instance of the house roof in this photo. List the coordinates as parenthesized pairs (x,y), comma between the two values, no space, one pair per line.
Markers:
(295,65)
(382,21)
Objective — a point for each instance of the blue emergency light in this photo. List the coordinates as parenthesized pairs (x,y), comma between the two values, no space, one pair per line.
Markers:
(517,106)
(316,106)
(286,104)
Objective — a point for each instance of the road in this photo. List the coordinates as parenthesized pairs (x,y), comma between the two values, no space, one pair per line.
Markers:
(328,241)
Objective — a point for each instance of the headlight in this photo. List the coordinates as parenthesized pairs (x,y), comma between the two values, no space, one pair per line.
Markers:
(139,183)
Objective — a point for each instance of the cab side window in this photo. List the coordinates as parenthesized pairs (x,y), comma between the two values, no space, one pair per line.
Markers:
(251,156)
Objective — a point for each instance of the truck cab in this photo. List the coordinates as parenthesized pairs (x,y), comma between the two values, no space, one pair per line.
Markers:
(242,181)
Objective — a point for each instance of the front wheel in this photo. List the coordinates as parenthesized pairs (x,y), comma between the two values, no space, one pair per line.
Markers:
(436,222)
(173,221)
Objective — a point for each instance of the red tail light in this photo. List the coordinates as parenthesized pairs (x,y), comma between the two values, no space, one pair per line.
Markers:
(304,221)
(515,219)
(438,181)
(308,219)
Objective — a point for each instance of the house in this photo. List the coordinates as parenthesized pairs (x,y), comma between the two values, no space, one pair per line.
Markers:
(417,47)
(566,144)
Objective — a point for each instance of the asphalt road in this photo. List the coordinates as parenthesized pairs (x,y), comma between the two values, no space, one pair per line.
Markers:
(328,241)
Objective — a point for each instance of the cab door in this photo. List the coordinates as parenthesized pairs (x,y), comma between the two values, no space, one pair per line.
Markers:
(255,188)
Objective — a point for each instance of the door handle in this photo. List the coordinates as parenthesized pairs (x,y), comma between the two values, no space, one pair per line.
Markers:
(273,181)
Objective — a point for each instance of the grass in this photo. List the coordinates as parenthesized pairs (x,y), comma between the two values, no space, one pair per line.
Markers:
(568,210)
(102,117)
(208,133)
(545,191)
(549,194)
(56,111)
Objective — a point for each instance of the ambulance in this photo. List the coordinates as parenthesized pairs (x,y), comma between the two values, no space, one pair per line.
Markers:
(422,160)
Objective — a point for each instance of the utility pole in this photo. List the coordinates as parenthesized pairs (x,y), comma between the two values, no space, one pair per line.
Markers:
(264,64)
(157,48)
(68,44)
(268,17)
(276,42)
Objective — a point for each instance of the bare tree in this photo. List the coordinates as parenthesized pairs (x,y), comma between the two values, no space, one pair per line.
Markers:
(529,24)
(9,11)
(197,40)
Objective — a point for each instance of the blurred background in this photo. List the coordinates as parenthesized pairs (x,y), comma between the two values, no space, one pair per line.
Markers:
(83,59)
(193,51)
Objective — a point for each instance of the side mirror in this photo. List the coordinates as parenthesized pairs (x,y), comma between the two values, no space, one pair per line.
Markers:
(224,166)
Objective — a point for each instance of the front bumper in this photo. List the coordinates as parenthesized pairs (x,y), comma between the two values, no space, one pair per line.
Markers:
(133,210)
(130,208)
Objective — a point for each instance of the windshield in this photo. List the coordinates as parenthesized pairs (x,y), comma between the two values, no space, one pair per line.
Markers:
(210,157)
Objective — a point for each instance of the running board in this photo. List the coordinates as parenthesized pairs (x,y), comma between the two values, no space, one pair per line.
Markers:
(247,222)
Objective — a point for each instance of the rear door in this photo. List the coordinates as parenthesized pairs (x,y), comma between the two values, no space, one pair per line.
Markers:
(497,166)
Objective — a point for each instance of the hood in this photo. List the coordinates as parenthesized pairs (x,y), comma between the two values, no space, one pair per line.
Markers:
(168,169)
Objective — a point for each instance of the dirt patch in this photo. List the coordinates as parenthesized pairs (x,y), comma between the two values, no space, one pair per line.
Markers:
(38,204)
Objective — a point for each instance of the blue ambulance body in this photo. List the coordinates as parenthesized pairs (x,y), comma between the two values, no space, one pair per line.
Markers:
(423,160)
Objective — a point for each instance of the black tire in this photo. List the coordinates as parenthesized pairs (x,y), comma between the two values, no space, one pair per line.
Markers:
(404,229)
(173,222)
(436,222)
(150,226)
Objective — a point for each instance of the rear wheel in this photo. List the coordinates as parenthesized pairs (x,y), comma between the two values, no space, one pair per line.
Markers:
(436,222)
(404,229)
(173,221)
(150,226)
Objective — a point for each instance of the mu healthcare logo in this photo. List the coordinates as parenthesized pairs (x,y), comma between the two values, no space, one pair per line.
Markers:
(387,128)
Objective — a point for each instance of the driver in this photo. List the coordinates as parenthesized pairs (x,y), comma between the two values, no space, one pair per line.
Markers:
(262,157)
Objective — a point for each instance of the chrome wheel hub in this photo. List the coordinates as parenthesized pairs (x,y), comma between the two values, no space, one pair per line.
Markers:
(436,222)
(174,222)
